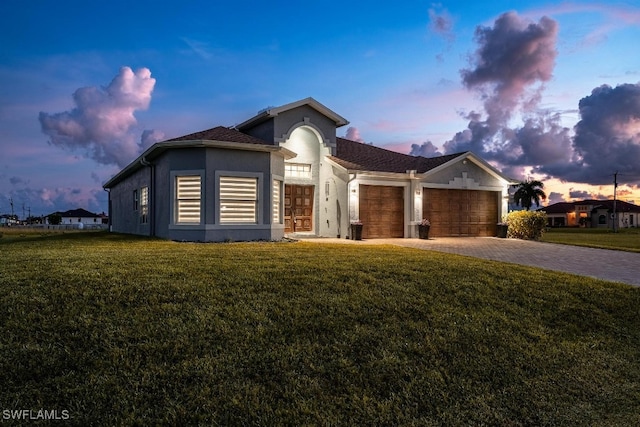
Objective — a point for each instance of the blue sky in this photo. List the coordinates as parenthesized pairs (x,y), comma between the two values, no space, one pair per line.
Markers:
(395,71)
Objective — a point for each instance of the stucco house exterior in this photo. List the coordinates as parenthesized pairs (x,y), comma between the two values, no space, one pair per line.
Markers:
(285,172)
(593,213)
(79,218)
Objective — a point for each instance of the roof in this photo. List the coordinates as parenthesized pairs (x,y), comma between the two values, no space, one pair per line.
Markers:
(354,155)
(274,111)
(217,137)
(221,133)
(559,208)
(621,206)
(77,213)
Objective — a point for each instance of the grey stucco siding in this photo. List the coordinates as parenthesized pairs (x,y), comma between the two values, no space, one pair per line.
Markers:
(212,164)
(125,218)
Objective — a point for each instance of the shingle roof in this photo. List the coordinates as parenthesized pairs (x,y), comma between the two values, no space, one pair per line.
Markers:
(354,155)
(566,207)
(621,206)
(221,133)
(559,208)
(77,213)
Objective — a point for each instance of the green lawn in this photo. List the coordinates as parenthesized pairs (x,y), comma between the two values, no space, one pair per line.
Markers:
(625,239)
(120,330)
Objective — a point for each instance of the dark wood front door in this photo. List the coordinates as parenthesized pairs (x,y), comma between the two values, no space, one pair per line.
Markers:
(298,208)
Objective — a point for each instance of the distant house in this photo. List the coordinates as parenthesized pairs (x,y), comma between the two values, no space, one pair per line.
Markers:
(592,213)
(80,216)
(285,172)
(8,220)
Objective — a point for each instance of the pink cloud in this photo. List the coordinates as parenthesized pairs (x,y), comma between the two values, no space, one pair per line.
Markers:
(100,123)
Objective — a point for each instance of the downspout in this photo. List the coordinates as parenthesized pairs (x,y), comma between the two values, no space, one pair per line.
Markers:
(109,223)
(152,195)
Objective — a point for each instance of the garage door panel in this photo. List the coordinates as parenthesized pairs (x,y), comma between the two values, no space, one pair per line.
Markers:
(461,212)
(382,211)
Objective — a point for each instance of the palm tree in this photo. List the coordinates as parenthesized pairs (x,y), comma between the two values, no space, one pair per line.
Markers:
(527,192)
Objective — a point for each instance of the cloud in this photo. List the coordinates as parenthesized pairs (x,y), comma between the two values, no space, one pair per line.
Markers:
(426,149)
(100,123)
(353,134)
(512,56)
(607,138)
(580,194)
(513,60)
(15,180)
(441,23)
(200,48)
(150,137)
(554,197)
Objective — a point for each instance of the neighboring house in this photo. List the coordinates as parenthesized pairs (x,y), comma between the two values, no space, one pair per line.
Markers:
(8,220)
(79,216)
(285,172)
(592,213)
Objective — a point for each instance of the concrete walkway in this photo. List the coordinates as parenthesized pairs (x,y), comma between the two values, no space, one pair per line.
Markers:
(616,266)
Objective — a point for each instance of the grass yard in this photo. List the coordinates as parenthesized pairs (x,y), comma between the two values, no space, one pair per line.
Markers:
(119,330)
(625,239)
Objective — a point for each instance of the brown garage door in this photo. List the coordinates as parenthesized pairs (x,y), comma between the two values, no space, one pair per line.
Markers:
(461,212)
(381,211)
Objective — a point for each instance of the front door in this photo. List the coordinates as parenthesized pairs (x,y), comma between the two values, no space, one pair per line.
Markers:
(298,208)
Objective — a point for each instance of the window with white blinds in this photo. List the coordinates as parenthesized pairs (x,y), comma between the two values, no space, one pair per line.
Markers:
(188,193)
(238,200)
(277,197)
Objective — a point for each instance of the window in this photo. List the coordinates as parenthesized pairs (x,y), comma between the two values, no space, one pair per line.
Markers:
(144,205)
(297,170)
(277,197)
(602,219)
(238,200)
(187,206)
(135,200)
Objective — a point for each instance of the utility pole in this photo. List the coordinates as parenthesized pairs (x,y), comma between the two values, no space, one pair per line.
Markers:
(615,186)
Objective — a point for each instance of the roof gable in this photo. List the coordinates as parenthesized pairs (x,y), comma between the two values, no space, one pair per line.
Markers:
(354,155)
(275,111)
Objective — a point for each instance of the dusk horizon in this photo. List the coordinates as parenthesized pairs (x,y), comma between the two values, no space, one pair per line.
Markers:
(547,91)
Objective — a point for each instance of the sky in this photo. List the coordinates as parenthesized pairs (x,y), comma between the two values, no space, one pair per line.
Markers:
(542,89)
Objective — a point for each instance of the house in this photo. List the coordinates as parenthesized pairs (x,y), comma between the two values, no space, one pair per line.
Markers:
(285,172)
(593,213)
(8,220)
(79,218)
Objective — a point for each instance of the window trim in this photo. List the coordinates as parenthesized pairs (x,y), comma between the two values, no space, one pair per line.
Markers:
(259,176)
(174,197)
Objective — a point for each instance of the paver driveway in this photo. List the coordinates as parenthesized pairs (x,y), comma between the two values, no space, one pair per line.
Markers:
(617,266)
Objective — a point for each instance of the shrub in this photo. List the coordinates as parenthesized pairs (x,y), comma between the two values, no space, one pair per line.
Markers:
(526,224)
